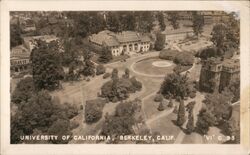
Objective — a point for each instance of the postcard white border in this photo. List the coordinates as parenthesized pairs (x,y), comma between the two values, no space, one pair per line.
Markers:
(29,149)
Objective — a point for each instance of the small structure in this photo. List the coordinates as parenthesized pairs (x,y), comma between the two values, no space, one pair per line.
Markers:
(125,42)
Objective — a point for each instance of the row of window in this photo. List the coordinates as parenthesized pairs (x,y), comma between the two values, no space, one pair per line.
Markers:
(19,62)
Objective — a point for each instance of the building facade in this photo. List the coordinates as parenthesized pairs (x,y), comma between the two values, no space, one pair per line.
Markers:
(216,75)
(19,59)
(126,42)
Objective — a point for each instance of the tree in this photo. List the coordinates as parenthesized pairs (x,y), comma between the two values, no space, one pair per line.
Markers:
(161,20)
(158,98)
(198,23)
(205,120)
(114,74)
(39,112)
(113,22)
(145,21)
(121,123)
(219,37)
(60,128)
(233,34)
(119,89)
(89,69)
(175,84)
(23,91)
(190,123)
(46,67)
(181,114)
(15,35)
(173,17)
(105,56)
(126,73)
(160,41)
(160,107)
(184,58)
(234,88)
(218,104)
(170,104)
(93,110)
(100,69)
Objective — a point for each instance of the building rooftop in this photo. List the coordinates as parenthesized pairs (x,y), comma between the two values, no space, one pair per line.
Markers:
(19,52)
(127,36)
(112,39)
(178,31)
(46,38)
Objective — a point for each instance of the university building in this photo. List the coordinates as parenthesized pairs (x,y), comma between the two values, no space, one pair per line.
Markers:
(126,42)
(216,74)
(19,59)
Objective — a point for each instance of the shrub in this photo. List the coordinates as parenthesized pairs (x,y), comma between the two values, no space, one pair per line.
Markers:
(100,69)
(168,54)
(136,84)
(160,107)
(192,95)
(158,98)
(181,114)
(184,58)
(93,110)
(205,120)
(106,75)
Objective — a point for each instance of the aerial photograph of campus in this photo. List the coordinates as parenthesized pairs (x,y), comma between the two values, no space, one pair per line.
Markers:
(125,77)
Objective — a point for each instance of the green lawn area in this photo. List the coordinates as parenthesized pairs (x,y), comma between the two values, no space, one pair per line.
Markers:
(165,126)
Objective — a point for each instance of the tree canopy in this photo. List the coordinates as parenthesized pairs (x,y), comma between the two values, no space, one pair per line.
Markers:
(198,23)
(46,65)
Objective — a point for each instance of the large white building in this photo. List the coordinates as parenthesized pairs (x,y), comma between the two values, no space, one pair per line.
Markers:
(126,42)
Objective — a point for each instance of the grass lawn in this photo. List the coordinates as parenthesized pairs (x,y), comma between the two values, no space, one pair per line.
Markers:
(165,126)
(145,66)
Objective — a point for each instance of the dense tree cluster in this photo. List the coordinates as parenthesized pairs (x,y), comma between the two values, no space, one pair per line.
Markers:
(205,120)
(105,55)
(168,54)
(184,58)
(93,110)
(100,69)
(118,89)
(160,41)
(46,65)
(122,121)
(218,111)
(161,20)
(15,35)
(198,23)
(44,114)
(175,84)
(225,36)
(23,91)
(141,21)
(173,17)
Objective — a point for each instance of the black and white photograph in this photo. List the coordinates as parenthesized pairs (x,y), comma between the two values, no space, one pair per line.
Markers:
(125,77)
